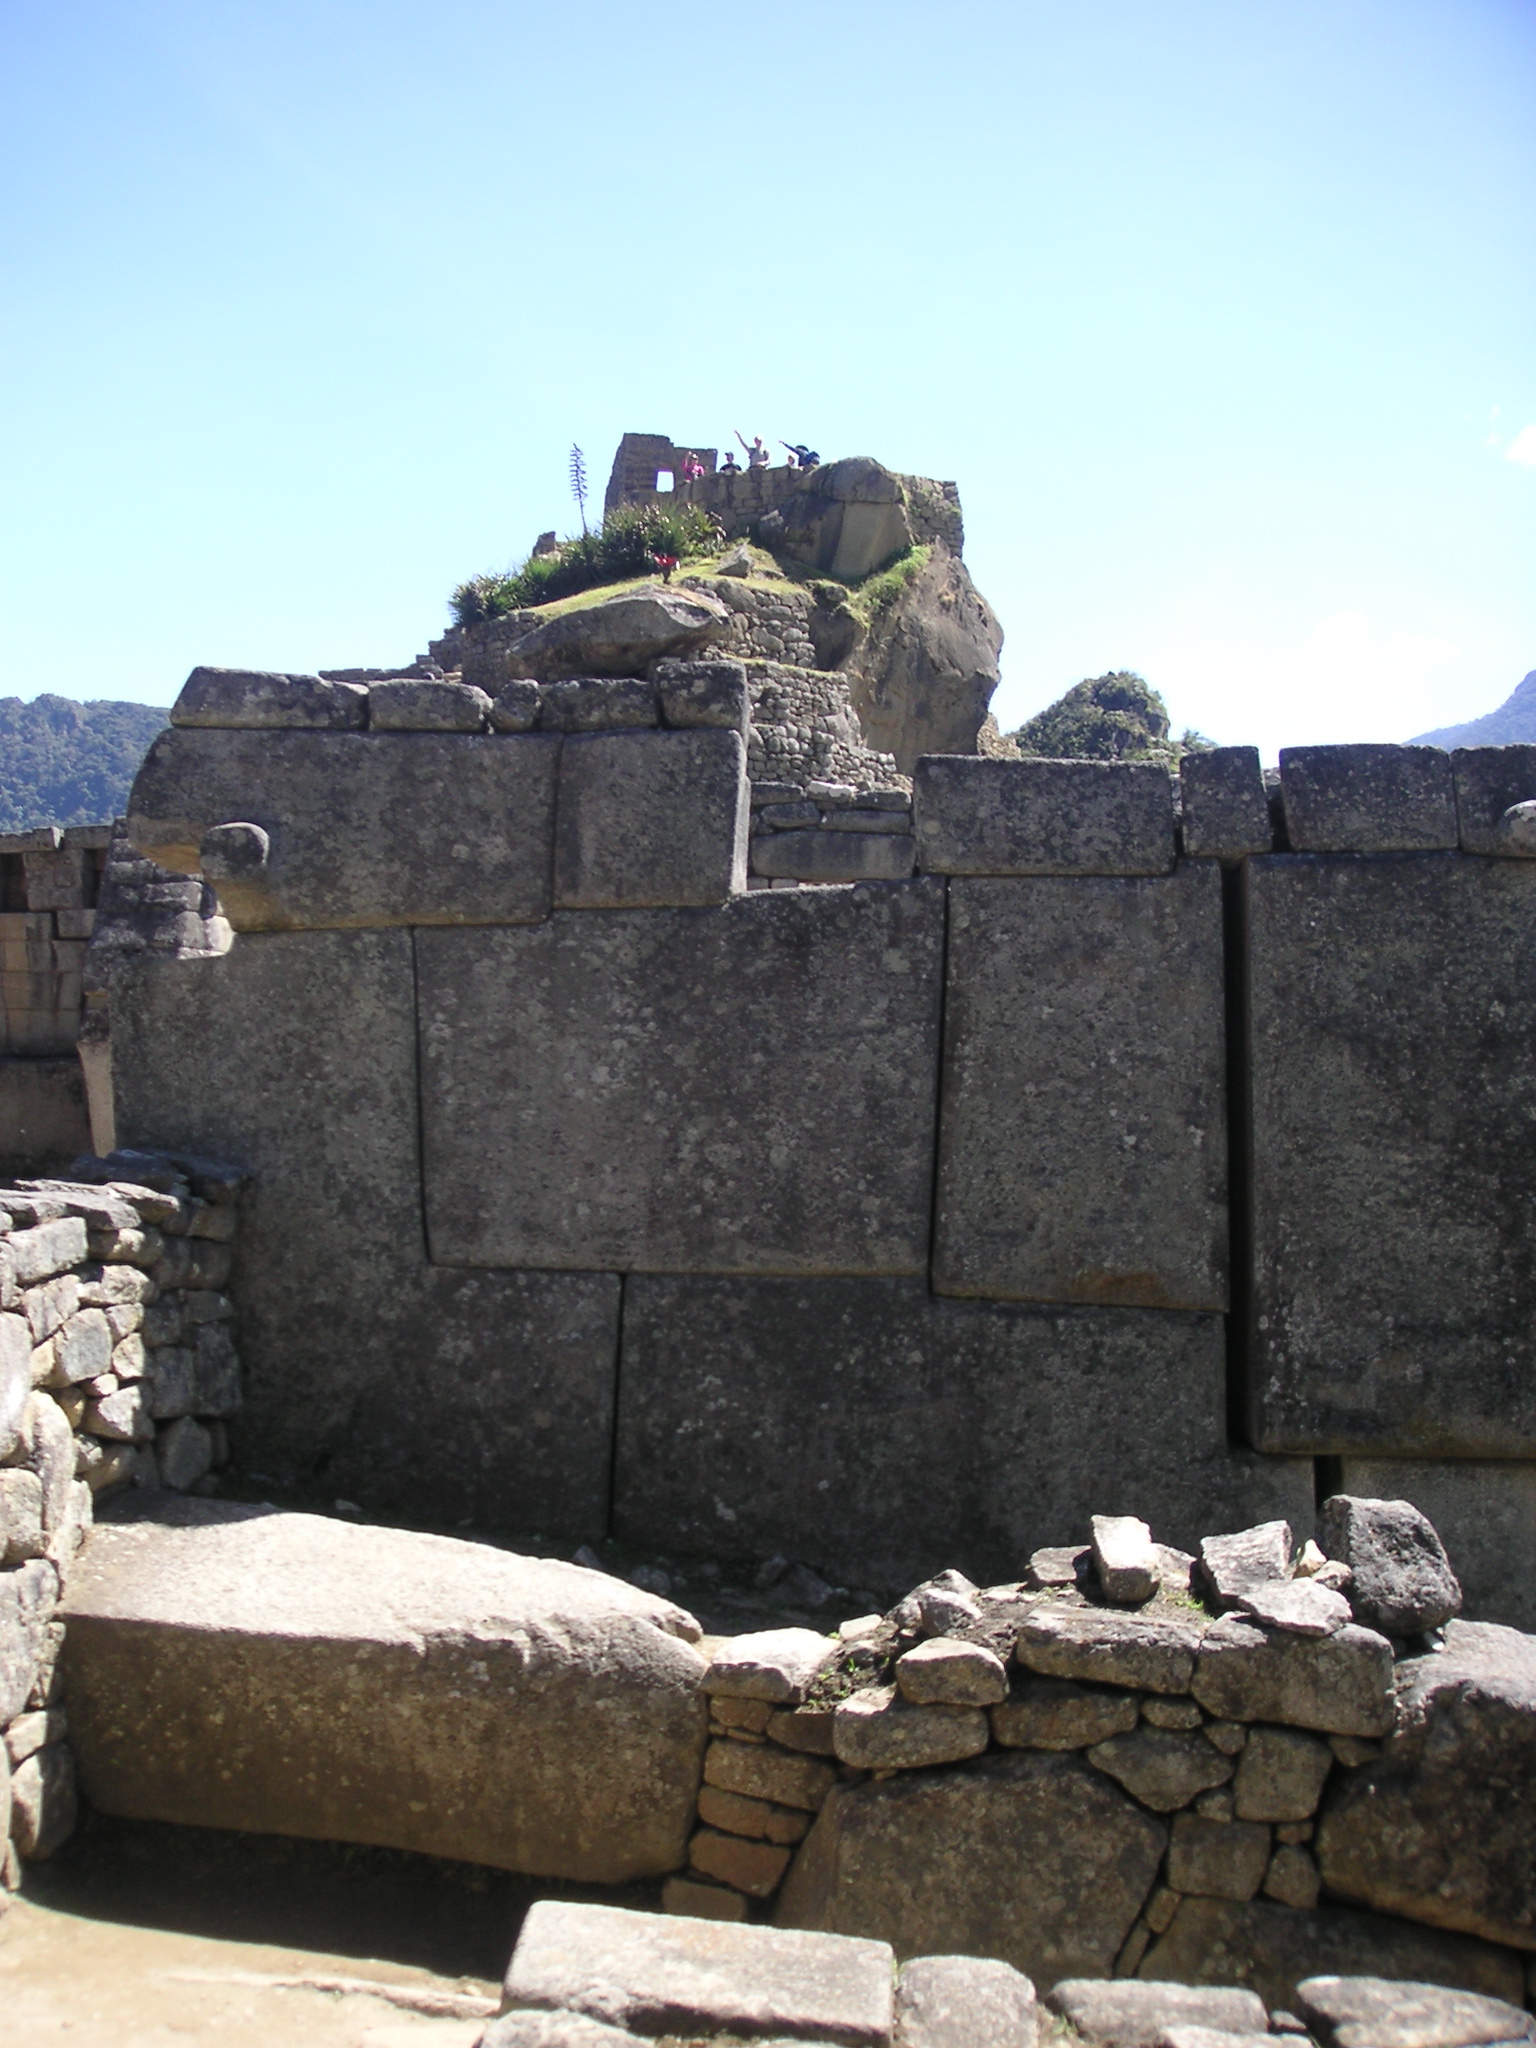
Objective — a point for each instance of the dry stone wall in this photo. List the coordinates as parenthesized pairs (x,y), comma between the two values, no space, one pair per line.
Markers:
(118,1370)
(889,1225)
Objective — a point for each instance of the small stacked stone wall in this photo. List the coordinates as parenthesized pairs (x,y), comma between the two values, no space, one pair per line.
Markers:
(804,729)
(117,1368)
(829,832)
(49,880)
(1121,1763)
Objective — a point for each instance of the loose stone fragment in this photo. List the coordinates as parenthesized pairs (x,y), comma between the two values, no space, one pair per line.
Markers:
(44,1801)
(1162,1767)
(952,1674)
(1217,1859)
(1402,1578)
(1132,1650)
(964,2002)
(1292,1878)
(669,1976)
(774,1664)
(1304,1607)
(1135,2015)
(1160,1908)
(768,1773)
(1055,1713)
(1124,1558)
(1280,1775)
(1217,1804)
(1339,1683)
(1235,1564)
(805,1728)
(1059,1566)
(879,1730)
(29,1732)
(1377,2012)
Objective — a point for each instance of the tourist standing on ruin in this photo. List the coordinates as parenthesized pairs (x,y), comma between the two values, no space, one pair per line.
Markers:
(757,455)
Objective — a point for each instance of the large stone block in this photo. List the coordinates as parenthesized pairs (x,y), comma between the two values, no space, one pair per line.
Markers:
(1442,1827)
(241,1667)
(264,699)
(1271,1949)
(363,828)
(1224,810)
(742,1089)
(1368,799)
(1033,1858)
(1394,1106)
(677,1976)
(445,1394)
(819,856)
(976,816)
(647,818)
(1485,1511)
(1488,781)
(1082,1135)
(884,1434)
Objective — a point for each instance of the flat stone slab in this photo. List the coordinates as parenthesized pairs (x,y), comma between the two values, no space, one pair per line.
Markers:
(365,828)
(879,1730)
(264,699)
(1083,1050)
(1380,2012)
(667,1974)
(1272,1949)
(742,1089)
(974,816)
(1151,1653)
(1393,1279)
(1442,1827)
(865,1423)
(1135,2015)
(241,1667)
(1031,1858)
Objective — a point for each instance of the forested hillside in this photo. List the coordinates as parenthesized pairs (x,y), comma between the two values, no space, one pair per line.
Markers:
(63,763)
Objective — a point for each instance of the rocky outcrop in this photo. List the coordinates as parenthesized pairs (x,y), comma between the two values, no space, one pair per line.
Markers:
(923,675)
(238,1667)
(1443,1827)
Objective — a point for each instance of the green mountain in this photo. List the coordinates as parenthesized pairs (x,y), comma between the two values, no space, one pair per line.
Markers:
(1514,720)
(63,763)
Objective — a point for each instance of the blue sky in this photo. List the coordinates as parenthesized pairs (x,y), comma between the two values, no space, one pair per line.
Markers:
(1222,316)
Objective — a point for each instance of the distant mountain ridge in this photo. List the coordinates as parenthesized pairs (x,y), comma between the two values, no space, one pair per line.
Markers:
(1515,720)
(63,763)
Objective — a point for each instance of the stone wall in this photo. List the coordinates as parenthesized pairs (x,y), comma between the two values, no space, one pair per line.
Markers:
(1133,1145)
(49,881)
(117,1369)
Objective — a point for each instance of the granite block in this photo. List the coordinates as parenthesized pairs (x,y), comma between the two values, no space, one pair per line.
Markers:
(882,1434)
(1083,1142)
(1394,1121)
(363,828)
(651,819)
(744,1089)
(1488,781)
(977,816)
(258,699)
(1368,799)
(1225,808)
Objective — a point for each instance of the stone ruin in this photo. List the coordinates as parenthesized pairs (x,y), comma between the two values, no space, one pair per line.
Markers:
(608,1101)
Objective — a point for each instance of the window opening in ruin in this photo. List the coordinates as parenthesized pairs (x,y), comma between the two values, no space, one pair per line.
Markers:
(663,479)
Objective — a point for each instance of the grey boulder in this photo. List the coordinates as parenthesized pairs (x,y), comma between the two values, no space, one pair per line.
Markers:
(1442,1826)
(1031,1857)
(1339,1683)
(620,637)
(363,1684)
(1403,1582)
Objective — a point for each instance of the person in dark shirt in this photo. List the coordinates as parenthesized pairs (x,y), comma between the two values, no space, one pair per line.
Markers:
(805,458)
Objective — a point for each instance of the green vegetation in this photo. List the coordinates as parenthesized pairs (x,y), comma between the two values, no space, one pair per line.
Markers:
(1117,717)
(63,763)
(877,593)
(624,546)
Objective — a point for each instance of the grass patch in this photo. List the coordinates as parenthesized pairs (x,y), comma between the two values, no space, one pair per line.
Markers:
(625,546)
(877,593)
